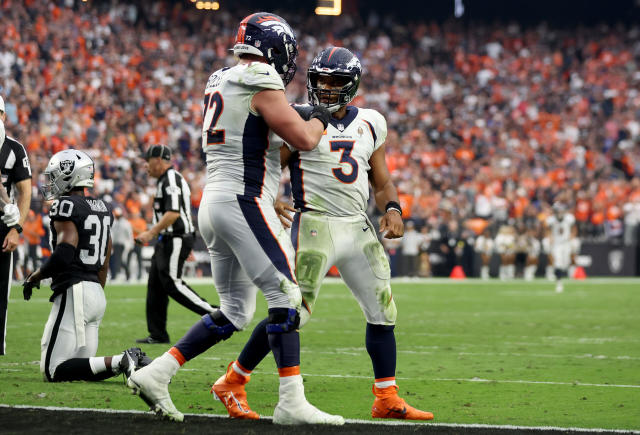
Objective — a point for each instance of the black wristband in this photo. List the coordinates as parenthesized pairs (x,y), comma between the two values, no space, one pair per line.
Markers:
(322,114)
(16,227)
(392,205)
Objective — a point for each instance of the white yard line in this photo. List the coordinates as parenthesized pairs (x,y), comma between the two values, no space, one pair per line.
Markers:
(352,421)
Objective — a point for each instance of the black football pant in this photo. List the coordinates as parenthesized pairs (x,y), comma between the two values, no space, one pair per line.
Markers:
(165,279)
(6,270)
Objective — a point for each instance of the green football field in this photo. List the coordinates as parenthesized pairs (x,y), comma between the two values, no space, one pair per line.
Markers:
(499,353)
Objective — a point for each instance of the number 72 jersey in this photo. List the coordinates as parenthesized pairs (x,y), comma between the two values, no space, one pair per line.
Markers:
(333,178)
(93,220)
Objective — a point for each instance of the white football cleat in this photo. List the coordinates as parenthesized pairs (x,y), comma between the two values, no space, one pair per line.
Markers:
(293,408)
(153,387)
(559,287)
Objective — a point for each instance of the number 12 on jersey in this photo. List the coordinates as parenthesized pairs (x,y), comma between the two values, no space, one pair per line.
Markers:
(213,106)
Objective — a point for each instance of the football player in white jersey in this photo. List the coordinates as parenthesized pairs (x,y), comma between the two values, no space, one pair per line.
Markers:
(562,234)
(505,246)
(484,246)
(330,187)
(244,105)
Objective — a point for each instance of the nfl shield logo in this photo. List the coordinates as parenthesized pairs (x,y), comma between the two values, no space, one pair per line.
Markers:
(341,127)
(66,166)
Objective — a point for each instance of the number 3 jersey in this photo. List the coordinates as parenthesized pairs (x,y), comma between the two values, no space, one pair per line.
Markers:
(93,220)
(333,177)
(243,155)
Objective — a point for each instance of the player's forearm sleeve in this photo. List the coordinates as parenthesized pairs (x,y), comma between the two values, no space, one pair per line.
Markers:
(62,257)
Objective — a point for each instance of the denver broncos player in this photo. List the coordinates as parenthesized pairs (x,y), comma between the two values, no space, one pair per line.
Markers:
(244,105)
(81,243)
(330,186)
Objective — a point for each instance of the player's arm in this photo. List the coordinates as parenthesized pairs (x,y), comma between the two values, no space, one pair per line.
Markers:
(102,273)
(62,256)
(24,198)
(285,156)
(283,119)
(386,195)
(168,218)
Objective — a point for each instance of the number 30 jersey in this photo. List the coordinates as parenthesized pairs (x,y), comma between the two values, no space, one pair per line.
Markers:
(93,220)
(243,155)
(333,178)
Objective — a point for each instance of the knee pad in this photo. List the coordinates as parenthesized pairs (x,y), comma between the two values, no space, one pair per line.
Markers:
(283,320)
(218,323)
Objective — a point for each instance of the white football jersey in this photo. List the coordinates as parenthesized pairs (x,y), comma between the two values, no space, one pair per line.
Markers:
(243,155)
(333,177)
(561,228)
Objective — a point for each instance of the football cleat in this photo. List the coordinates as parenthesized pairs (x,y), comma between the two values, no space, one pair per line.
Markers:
(153,387)
(389,405)
(133,359)
(229,389)
(293,408)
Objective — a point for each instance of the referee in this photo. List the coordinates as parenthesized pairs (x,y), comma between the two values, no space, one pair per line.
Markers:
(16,172)
(173,226)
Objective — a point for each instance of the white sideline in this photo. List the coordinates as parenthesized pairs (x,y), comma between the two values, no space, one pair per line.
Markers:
(349,420)
(407,280)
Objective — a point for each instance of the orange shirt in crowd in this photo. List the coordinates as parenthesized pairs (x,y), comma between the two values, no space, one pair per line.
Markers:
(32,228)
(138,225)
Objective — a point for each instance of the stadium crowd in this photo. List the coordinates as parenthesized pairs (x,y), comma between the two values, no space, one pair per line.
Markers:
(487,126)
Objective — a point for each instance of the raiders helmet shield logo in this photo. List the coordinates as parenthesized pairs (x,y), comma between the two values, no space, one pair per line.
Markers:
(66,166)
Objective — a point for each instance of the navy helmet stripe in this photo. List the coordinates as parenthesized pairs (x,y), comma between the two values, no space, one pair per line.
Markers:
(295,229)
(255,141)
(268,241)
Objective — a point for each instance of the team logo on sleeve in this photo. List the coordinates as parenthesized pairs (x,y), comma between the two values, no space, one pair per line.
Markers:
(66,166)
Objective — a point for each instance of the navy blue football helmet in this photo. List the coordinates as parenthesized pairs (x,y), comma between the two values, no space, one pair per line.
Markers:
(270,36)
(334,62)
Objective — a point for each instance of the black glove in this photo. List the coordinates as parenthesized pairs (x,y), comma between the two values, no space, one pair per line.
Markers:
(27,288)
(308,112)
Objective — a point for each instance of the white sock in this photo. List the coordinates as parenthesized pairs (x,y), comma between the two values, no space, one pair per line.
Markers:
(167,364)
(97,365)
(238,370)
(484,272)
(530,272)
(511,271)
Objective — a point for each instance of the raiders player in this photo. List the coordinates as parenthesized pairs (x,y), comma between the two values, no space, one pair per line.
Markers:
(244,105)
(561,232)
(81,245)
(330,227)
(16,177)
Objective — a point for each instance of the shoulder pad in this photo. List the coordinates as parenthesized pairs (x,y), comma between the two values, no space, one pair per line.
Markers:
(378,123)
(260,75)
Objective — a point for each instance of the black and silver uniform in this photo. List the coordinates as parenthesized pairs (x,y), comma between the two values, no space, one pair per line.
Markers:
(173,194)
(93,219)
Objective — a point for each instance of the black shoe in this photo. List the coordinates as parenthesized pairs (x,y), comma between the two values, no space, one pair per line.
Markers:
(133,359)
(151,340)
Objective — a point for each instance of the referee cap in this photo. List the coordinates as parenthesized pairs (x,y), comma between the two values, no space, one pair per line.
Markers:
(162,151)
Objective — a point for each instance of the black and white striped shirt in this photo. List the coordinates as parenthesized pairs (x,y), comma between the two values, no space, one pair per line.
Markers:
(173,194)
(14,167)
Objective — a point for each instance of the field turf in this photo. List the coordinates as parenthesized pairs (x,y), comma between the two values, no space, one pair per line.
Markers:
(472,352)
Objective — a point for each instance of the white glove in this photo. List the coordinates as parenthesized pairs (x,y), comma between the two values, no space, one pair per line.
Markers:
(11,215)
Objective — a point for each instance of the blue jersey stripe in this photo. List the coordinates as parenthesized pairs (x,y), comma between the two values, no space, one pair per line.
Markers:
(270,245)
(297,182)
(255,141)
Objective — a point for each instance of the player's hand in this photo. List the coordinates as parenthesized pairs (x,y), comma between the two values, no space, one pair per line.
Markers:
(309,112)
(391,225)
(144,237)
(11,241)
(11,215)
(282,209)
(27,287)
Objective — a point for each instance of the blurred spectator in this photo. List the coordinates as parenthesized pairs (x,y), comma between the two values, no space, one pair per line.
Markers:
(138,226)
(33,232)
(122,239)
(411,242)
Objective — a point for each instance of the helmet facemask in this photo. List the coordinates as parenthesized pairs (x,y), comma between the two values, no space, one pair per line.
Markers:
(332,99)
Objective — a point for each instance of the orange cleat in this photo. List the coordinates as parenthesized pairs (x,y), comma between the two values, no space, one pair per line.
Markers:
(389,405)
(229,389)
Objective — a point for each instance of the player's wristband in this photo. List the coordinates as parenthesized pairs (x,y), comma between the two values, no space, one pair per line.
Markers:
(16,227)
(392,205)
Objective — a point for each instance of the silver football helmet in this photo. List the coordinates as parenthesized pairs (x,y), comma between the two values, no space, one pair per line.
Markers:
(66,170)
